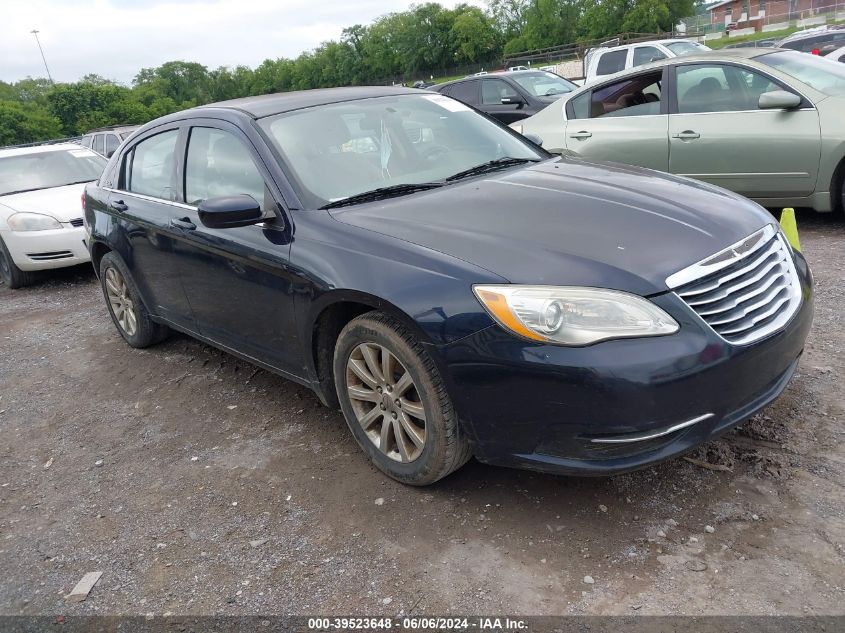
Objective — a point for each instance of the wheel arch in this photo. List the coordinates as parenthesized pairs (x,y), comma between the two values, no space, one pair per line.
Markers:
(329,315)
(98,251)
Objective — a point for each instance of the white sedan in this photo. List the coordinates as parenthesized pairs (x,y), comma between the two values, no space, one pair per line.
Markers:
(41,223)
(838,55)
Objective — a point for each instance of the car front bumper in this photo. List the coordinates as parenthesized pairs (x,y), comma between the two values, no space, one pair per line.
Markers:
(618,405)
(42,250)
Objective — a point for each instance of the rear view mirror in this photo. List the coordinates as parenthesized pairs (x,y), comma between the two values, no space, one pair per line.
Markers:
(779,100)
(226,212)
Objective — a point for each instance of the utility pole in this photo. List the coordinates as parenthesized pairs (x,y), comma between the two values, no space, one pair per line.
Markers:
(35,33)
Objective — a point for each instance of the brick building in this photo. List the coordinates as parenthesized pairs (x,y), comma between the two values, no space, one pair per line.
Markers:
(748,12)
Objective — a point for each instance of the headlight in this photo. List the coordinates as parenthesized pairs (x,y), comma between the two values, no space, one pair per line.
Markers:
(33,222)
(572,315)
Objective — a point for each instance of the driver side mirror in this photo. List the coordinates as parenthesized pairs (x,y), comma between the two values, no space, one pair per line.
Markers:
(778,100)
(227,212)
(512,101)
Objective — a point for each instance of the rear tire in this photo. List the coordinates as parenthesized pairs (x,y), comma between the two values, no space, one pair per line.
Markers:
(395,402)
(127,310)
(11,275)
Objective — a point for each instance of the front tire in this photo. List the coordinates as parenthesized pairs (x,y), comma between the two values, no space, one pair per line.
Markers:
(11,275)
(126,308)
(395,402)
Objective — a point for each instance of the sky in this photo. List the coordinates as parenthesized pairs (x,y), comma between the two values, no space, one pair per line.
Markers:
(116,38)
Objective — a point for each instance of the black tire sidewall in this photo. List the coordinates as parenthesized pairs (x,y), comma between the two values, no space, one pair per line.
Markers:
(147,332)
(10,274)
(426,468)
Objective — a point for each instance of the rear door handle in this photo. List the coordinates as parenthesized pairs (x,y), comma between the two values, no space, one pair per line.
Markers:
(183,223)
(581,135)
(687,135)
(119,206)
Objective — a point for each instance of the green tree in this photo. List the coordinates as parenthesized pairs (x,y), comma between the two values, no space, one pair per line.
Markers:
(26,123)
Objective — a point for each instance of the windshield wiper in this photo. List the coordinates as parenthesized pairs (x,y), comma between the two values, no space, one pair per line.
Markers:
(493,165)
(382,193)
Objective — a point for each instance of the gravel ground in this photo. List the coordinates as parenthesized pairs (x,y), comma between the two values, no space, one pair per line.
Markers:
(200,485)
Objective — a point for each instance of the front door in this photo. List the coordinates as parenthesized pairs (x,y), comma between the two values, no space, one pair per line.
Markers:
(717,133)
(237,280)
(501,101)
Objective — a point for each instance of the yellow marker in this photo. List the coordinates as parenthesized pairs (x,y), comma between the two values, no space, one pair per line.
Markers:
(790,227)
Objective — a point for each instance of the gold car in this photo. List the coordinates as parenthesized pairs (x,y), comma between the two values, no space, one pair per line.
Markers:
(766,123)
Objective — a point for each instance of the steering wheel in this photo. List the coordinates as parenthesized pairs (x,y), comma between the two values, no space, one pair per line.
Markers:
(433,152)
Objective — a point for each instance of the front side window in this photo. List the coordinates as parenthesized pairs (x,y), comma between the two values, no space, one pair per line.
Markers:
(494,90)
(612,62)
(543,84)
(636,96)
(49,168)
(646,54)
(818,73)
(219,164)
(151,166)
(684,47)
(335,151)
(719,88)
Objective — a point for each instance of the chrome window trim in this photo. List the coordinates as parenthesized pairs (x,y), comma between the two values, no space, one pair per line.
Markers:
(141,196)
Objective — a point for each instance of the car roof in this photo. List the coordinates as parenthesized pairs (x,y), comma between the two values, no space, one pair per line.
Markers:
(113,128)
(37,149)
(267,105)
(493,75)
(604,49)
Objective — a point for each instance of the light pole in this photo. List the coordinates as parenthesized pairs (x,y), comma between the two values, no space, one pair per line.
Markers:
(35,33)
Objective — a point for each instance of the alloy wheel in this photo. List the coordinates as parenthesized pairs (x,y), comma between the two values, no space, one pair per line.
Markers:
(386,402)
(121,303)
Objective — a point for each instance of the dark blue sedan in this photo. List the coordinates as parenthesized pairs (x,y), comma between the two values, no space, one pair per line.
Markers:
(452,287)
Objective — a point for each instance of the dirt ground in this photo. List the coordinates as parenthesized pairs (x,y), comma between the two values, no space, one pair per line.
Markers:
(200,485)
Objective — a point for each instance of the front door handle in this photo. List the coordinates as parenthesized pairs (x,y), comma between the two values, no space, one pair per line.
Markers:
(581,135)
(687,135)
(183,223)
(118,205)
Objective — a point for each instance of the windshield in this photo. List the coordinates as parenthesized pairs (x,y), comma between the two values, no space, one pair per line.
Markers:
(685,48)
(50,168)
(825,75)
(543,84)
(344,149)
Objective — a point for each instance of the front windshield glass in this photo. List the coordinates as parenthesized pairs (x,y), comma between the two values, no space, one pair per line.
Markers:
(543,84)
(49,168)
(685,48)
(343,149)
(825,75)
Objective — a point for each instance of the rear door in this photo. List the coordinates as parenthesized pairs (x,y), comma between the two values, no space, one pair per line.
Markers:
(466,91)
(624,121)
(143,204)
(718,134)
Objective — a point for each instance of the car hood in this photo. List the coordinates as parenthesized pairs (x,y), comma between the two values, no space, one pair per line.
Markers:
(63,203)
(570,222)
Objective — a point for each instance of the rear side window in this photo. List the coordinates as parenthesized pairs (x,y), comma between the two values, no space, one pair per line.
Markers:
(150,171)
(112,143)
(637,96)
(646,54)
(612,62)
(466,92)
(581,106)
(219,164)
(98,144)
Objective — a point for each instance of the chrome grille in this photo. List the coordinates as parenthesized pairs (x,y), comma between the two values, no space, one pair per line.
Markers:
(745,292)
